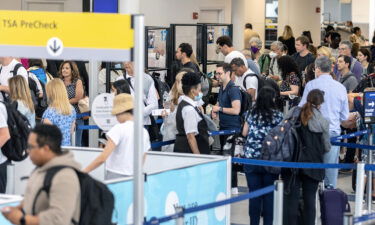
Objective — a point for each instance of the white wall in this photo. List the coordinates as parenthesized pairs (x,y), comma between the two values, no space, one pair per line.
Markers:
(301,16)
(67,5)
(165,12)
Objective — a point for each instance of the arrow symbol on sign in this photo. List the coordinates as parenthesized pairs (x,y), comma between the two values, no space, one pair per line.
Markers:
(54,48)
(372,104)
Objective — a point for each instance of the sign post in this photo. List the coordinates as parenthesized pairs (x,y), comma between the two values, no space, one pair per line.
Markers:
(369,119)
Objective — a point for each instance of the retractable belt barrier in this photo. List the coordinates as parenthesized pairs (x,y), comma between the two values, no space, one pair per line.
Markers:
(297,165)
(364,218)
(250,195)
(88,114)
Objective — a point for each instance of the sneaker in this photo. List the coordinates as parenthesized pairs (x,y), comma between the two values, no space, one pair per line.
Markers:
(235,191)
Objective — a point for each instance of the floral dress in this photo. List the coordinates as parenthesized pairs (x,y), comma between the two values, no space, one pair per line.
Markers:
(258,129)
(63,122)
(292,79)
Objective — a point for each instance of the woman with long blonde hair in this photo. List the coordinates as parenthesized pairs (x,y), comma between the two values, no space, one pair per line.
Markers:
(19,92)
(168,128)
(59,112)
(288,39)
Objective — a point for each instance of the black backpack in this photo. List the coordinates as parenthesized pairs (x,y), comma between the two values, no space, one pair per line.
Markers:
(19,128)
(246,102)
(282,141)
(161,87)
(97,201)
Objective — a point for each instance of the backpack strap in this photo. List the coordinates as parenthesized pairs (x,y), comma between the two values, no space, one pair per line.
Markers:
(47,183)
(16,68)
(248,75)
(347,77)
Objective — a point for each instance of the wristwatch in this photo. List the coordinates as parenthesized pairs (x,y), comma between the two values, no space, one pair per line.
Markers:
(23,220)
(221,109)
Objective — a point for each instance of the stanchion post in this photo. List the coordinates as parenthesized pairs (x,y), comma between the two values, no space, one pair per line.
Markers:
(278,203)
(360,186)
(348,219)
(180,220)
(369,176)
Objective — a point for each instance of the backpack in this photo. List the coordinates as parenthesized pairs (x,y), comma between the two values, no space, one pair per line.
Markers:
(97,201)
(366,82)
(281,141)
(205,84)
(262,82)
(19,128)
(246,102)
(162,88)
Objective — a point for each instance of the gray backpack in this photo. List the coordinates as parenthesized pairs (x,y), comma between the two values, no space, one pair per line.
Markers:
(281,141)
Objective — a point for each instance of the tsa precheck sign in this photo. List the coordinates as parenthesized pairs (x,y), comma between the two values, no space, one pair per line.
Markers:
(62,35)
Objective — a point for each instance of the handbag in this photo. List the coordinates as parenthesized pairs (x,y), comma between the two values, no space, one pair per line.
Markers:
(84,105)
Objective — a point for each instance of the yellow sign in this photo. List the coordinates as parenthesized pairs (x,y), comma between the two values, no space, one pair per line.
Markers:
(74,30)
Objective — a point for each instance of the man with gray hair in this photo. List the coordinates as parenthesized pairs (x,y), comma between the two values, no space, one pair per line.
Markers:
(345,48)
(277,48)
(335,108)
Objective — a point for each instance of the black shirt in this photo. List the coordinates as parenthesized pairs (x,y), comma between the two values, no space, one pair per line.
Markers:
(192,66)
(303,62)
(290,44)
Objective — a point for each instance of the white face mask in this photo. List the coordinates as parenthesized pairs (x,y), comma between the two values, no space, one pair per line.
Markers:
(272,55)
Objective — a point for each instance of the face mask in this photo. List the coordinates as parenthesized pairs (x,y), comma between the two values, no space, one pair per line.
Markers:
(199,97)
(254,49)
(273,55)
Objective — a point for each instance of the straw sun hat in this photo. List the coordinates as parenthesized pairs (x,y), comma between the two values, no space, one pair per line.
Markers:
(122,103)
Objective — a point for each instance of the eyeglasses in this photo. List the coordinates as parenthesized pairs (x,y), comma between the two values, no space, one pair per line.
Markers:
(342,49)
(31,147)
(218,74)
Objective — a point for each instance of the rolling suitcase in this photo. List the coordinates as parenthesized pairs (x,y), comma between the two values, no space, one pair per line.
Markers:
(333,204)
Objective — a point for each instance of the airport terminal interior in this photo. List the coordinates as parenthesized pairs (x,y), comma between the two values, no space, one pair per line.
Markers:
(194,112)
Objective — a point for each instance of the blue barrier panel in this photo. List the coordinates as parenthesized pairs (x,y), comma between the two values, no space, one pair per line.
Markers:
(364,218)
(250,195)
(185,187)
(257,162)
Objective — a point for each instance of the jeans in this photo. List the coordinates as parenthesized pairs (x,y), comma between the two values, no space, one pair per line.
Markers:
(3,176)
(292,197)
(235,167)
(258,178)
(79,122)
(332,157)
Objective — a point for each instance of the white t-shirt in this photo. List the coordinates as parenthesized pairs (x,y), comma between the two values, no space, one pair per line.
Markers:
(121,159)
(7,72)
(3,123)
(251,82)
(235,54)
(190,116)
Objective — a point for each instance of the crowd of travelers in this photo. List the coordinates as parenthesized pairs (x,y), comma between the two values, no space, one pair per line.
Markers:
(317,90)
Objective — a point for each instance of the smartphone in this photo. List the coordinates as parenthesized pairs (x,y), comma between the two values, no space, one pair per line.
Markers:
(158,112)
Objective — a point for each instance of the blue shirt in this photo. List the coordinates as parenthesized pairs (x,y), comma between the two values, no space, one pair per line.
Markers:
(335,107)
(253,66)
(226,97)
(63,122)
(258,130)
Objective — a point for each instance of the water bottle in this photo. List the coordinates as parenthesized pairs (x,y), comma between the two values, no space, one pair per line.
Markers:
(166,100)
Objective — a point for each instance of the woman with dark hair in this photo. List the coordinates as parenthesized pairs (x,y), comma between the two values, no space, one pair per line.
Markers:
(290,86)
(192,129)
(308,74)
(357,37)
(307,33)
(364,57)
(69,73)
(259,121)
(120,87)
(315,141)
